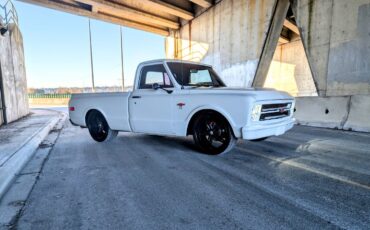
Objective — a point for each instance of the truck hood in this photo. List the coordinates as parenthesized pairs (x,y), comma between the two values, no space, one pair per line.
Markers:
(259,94)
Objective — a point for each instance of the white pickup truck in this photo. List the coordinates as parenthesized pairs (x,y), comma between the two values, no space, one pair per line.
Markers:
(180,98)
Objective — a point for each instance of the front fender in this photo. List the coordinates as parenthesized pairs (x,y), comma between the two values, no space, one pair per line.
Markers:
(237,132)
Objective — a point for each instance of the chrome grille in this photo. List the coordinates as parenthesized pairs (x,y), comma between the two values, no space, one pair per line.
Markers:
(275,111)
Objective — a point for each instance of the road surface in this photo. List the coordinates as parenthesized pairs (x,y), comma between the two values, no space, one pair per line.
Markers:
(308,178)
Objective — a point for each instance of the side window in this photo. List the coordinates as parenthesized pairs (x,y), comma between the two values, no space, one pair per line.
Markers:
(154,74)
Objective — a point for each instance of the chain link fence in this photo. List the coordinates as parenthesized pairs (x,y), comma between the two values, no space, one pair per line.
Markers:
(54,95)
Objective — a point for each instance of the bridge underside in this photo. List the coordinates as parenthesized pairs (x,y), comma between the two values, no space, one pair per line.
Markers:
(304,47)
(156,16)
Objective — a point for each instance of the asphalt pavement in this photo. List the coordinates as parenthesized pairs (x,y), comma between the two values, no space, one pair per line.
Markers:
(309,178)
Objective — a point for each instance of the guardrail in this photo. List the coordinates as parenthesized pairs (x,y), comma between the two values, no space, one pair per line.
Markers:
(8,13)
(54,95)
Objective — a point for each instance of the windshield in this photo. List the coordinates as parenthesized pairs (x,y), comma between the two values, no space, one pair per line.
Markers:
(195,75)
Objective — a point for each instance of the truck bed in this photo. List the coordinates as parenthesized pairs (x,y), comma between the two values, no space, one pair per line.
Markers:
(114,107)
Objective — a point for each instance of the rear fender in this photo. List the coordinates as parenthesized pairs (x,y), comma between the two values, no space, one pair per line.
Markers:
(97,109)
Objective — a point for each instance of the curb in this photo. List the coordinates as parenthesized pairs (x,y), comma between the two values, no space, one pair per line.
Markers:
(25,152)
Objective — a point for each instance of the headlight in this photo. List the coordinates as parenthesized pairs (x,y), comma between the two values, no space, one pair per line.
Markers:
(256,112)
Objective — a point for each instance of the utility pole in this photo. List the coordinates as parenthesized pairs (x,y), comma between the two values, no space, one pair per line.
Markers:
(91,59)
(123,74)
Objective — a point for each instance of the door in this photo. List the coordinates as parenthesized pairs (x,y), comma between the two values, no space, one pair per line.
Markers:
(150,109)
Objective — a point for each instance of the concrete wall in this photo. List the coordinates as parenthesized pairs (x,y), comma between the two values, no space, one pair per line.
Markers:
(230,36)
(336,35)
(13,74)
(341,112)
(289,71)
(358,115)
(233,34)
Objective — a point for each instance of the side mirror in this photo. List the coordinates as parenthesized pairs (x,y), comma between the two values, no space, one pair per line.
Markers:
(156,86)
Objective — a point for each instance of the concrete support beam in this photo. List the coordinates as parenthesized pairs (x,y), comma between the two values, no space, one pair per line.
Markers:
(314,18)
(283,40)
(168,8)
(130,14)
(291,26)
(93,15)
(72,2)
(202,3)
(271,41)
(94,9)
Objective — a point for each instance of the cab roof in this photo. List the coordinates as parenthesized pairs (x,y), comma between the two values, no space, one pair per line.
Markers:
(173,60)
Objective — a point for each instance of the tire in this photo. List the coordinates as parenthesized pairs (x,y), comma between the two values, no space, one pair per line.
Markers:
(259,139)
(99,128)
(212,134)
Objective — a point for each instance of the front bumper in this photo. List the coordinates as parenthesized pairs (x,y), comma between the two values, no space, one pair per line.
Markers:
(266,130)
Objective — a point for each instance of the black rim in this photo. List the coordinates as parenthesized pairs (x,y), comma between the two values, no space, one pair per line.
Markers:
(212,134)
(98,127)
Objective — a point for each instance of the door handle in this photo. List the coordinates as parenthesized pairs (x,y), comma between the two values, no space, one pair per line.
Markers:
(136,96)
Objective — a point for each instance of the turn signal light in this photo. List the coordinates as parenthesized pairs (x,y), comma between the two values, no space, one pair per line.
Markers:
(71,108)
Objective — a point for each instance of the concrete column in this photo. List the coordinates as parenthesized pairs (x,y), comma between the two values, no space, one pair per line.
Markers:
(336,37)
(13,74)
(271,42)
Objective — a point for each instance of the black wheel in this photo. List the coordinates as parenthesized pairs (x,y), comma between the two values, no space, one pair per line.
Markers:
(99,128)
(212,134)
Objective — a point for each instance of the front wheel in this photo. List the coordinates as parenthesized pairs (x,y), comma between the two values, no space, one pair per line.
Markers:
(212,134)
(99,128)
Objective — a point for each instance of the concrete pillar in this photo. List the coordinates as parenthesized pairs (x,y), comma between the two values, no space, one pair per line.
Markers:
(271,42)
(13,74)
(336,37)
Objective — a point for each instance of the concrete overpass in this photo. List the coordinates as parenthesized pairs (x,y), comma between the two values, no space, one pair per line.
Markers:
(305,47)
(319,51)
(156,16)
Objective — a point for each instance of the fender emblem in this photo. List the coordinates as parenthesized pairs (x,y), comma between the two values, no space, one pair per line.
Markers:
(180,105)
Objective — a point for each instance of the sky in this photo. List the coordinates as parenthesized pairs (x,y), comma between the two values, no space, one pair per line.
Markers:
(57,53)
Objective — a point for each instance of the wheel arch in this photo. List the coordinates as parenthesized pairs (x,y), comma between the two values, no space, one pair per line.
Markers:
(88,111)
(199,111)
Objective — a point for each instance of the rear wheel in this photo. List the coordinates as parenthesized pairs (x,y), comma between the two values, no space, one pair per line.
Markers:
(212,134)
(99,128)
